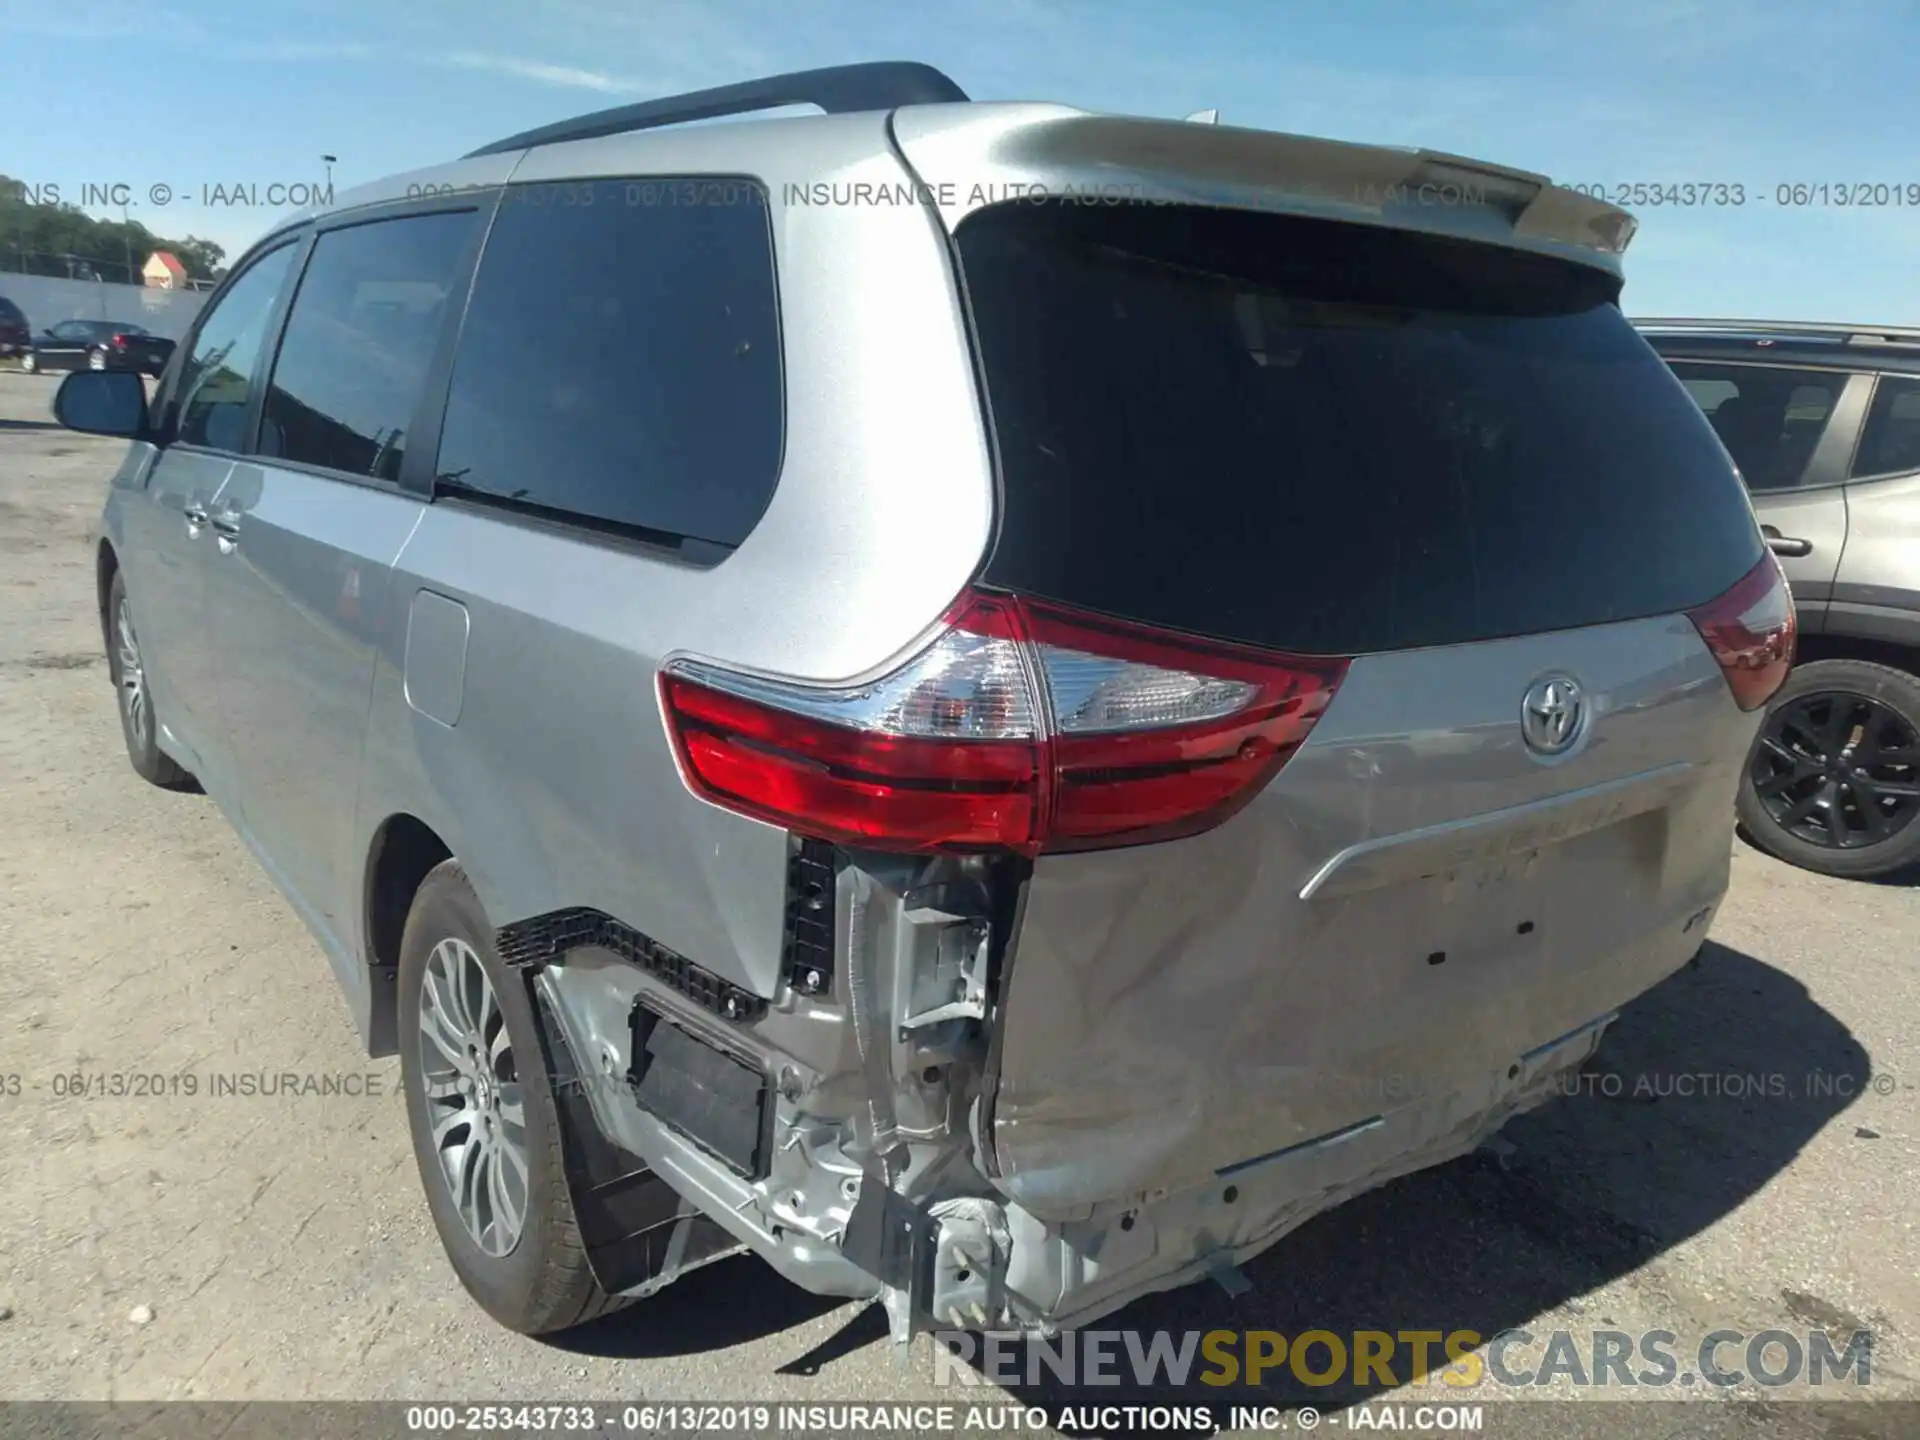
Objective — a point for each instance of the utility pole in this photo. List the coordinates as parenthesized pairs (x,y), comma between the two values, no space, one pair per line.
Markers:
(126,240)
(329,161)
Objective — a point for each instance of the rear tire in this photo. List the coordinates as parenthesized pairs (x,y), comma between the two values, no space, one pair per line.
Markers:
(139,725)
(486,1133)
(1837,759)
(29,363)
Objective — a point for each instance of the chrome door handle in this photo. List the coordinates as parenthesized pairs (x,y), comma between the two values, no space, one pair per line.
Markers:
(196,518)
(226,531)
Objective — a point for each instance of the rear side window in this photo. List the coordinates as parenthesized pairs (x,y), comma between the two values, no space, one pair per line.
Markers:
(360,339)
(1770,418)
(1890,443)
(1333,439)
(619,363)
(217,379)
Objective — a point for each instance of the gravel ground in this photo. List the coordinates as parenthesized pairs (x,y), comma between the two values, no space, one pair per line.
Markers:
(275,1246)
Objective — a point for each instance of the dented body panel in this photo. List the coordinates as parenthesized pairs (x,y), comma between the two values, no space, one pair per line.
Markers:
(1414,905)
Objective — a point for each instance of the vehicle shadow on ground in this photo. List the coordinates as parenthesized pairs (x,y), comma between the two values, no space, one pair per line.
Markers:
(731,1302)
(1905,878)
(30,425)
(1655,1145)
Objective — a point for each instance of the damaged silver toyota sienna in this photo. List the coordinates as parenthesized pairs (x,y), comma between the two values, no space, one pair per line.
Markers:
(992,704)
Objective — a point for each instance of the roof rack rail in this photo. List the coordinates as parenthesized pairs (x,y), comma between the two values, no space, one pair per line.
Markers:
(1850,334)
(875,85)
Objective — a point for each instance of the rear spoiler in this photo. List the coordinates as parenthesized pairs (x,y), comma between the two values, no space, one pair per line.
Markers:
(969,156)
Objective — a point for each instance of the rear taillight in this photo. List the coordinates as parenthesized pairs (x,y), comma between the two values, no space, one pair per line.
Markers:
(1022,726)
(119,342)
(1751,631)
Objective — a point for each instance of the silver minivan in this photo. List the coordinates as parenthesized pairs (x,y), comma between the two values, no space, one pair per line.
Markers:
(993,704)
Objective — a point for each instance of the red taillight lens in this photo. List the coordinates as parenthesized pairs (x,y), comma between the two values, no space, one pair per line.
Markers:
(1156,736)
(1751,630)
(1022,726)
(119,342)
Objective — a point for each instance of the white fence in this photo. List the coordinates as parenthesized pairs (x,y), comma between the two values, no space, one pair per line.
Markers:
(48,301)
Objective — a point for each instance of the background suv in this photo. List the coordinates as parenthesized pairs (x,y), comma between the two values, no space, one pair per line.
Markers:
(1824,424)
(826,707)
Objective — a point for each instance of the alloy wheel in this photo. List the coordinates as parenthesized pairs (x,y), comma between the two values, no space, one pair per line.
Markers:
(1838,770)
(132,676)
(96,360)
(475,1108)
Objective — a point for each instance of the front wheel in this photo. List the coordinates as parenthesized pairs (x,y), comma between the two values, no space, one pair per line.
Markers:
(139,726)
(486,1134)
(1833,784)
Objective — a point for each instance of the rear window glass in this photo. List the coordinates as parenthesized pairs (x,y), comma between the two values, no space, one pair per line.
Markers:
(1890,444)
(1333,439)
(1770,419)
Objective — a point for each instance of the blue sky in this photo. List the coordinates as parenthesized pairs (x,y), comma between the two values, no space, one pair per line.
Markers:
(1599,91)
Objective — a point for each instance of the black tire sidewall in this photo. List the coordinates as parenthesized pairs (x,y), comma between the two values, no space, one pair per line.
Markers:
(506,1287)
(1897,690)
(143,753)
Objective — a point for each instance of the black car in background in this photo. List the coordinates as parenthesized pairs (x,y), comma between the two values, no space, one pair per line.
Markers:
(15,335)
(96,345)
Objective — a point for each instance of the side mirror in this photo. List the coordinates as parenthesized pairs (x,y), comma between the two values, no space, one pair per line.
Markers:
(103,402)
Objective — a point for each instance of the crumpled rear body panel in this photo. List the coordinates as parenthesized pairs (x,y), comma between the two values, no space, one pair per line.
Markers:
(1174,1011)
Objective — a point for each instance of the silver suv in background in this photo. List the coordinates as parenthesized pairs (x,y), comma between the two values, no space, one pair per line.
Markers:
(1823,422)
(992,704)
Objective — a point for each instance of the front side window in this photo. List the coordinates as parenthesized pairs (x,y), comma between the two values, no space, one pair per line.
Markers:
(1770,419)
(1890,443)
(619,363)
(359,341)
(217,379)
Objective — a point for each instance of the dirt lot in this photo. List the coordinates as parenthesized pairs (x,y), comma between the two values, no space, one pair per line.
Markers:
(276,1246)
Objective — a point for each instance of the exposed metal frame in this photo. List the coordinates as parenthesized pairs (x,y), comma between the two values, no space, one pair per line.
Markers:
(875,85)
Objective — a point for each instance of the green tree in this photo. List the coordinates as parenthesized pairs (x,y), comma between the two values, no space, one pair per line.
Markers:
(201,257)
(43,236)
